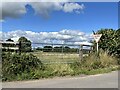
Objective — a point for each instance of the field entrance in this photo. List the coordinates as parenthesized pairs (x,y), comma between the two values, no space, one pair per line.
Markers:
(59,53)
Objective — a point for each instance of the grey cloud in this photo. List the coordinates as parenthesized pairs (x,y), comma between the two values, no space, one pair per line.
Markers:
(45,7)
(12,9)
(16,9)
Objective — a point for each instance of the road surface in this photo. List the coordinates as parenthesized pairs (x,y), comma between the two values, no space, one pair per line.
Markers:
(109,80)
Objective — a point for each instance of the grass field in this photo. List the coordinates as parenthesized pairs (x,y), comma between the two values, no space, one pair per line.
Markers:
(57,57)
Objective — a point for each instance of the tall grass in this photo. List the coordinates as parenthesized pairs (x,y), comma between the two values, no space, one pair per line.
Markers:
(99,60)
(94,63)
(106,59)
(61,69)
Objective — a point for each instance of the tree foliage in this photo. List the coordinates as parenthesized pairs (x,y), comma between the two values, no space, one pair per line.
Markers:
(17,64)
(110,41)
(65,49)
(47,48)
(9,40)
(25,44)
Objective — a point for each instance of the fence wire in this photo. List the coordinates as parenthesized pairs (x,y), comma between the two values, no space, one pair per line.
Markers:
(52,53)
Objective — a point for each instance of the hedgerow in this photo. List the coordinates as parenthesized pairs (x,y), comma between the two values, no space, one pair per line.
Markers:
(15,64)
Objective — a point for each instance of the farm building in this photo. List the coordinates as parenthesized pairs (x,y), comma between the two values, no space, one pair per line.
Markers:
(9,46)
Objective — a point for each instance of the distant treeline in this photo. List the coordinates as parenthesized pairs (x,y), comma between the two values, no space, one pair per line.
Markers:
(65,49)
(24,45)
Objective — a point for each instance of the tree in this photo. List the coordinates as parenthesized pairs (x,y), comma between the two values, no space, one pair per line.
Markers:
(39,48)
(117,41)
(47,48)
(66,49)
(25,44)
(107,40)
(57,49)
(9,40)
(110,41)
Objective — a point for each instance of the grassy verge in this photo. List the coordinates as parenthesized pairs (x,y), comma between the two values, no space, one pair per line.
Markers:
(50,73)
(20,67)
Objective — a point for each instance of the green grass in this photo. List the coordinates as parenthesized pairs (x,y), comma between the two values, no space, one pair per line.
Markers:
(56,57)
(90,65)
(60,70)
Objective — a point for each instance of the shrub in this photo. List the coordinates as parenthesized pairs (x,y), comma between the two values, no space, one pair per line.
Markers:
(18,64)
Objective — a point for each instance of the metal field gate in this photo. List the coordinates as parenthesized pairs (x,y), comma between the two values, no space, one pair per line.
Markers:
(52,53)
(60,53)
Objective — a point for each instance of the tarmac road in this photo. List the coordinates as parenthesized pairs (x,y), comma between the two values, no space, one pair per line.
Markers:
(109,80)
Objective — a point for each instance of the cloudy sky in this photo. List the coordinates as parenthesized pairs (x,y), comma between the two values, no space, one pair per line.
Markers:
(57,22)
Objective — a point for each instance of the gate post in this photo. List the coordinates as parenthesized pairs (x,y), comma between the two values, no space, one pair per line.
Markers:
(81,52)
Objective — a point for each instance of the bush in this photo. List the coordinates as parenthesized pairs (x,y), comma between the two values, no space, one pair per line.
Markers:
(18,64)
(110,41)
